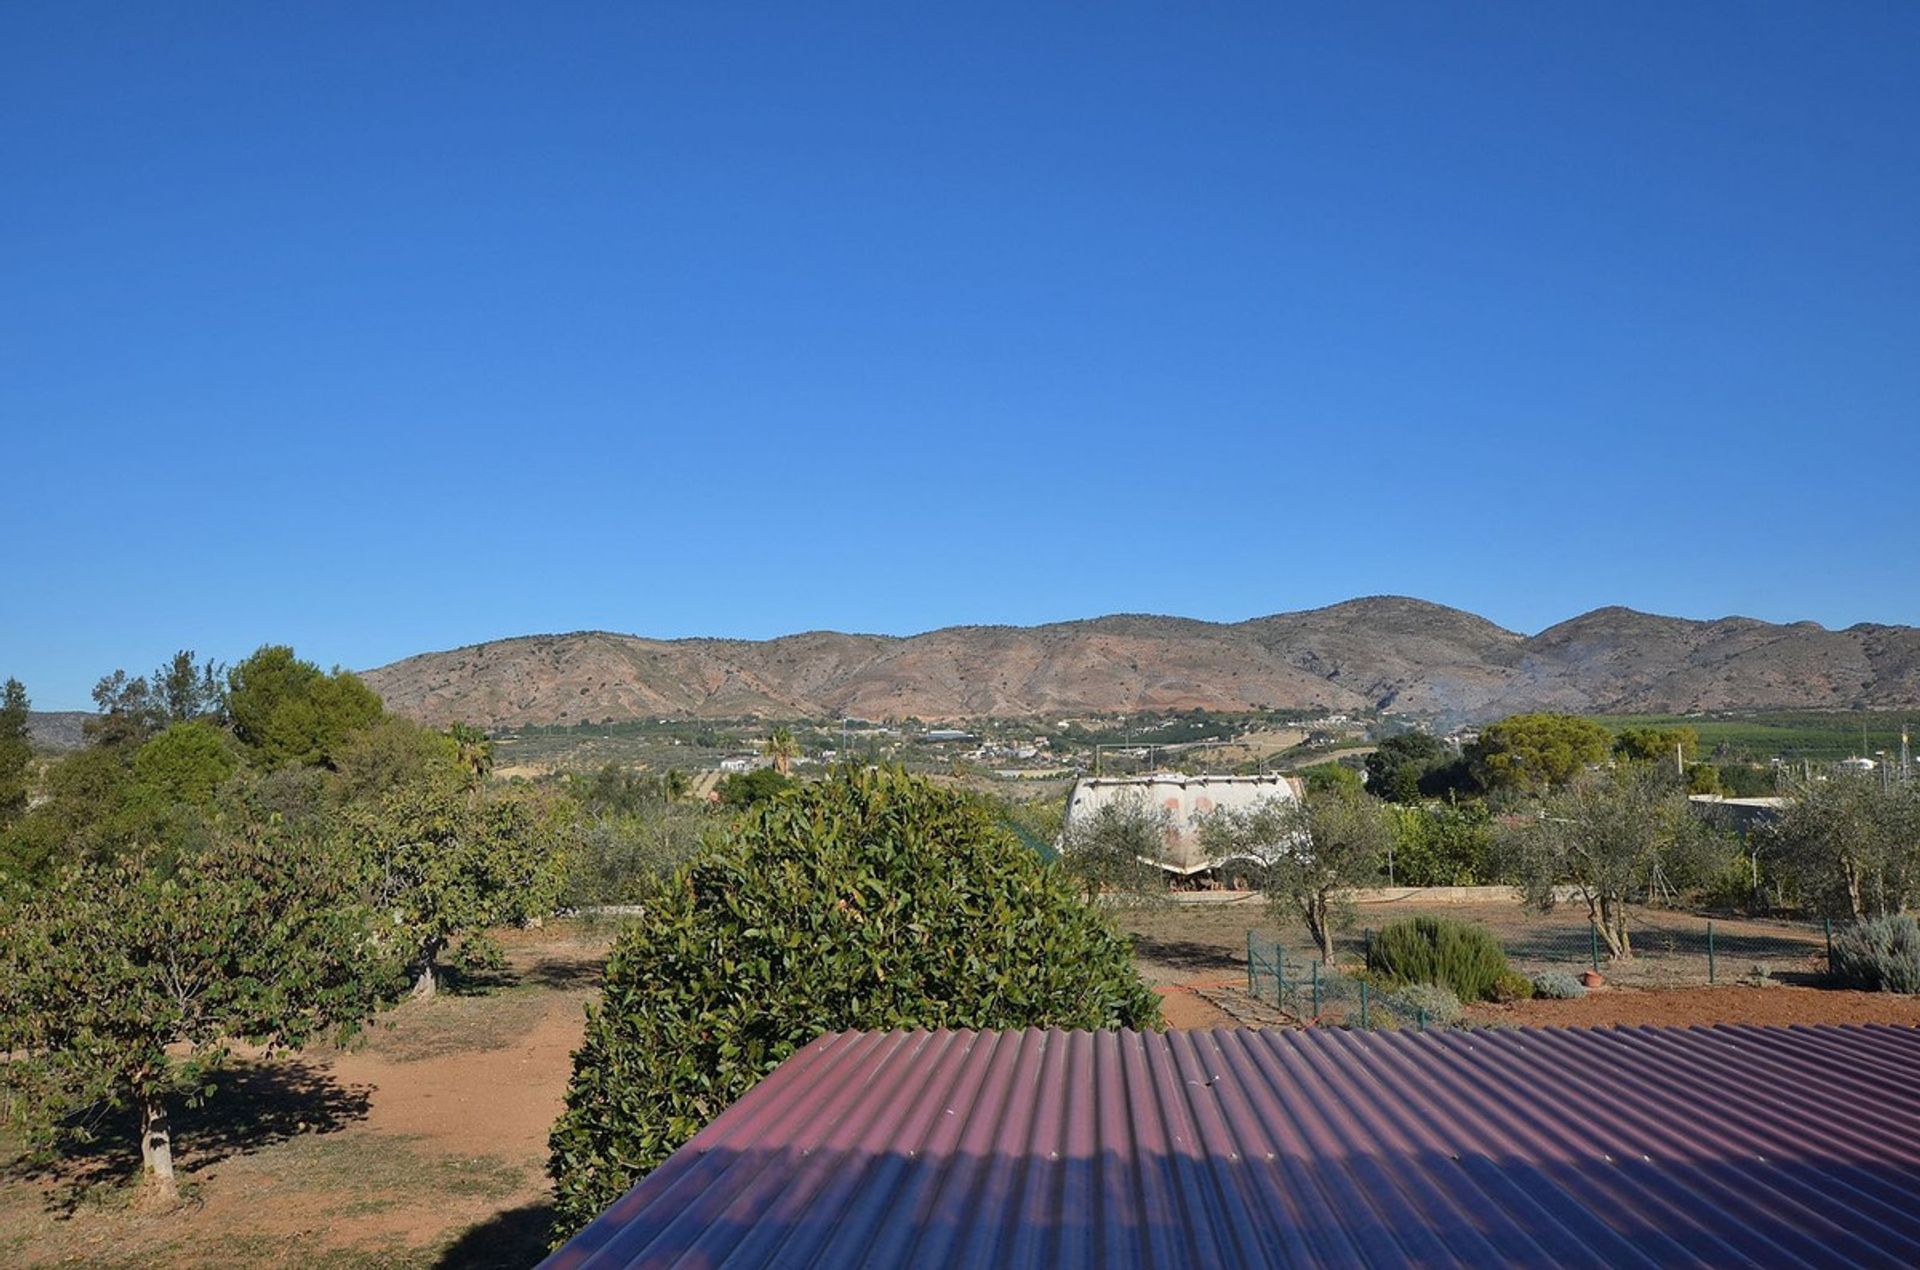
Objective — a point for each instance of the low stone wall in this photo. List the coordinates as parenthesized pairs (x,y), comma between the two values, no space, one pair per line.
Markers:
(1437,895)
(1394,895)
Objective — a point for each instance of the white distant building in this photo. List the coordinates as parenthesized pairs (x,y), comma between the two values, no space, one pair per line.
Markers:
(1856,765)
(1187,800)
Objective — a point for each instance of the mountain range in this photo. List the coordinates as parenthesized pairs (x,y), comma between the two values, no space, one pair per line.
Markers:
(1399,655)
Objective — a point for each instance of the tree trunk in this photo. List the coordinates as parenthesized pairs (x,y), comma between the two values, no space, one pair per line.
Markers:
(156,1150)
(1320,927)
(425,981)
(1613,930)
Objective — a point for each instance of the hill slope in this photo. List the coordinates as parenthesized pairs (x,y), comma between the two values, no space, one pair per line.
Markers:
(1404,655)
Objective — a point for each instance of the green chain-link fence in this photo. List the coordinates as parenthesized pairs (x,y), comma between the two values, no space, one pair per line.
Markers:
(1713,946)
(1295,980)
(1312,992)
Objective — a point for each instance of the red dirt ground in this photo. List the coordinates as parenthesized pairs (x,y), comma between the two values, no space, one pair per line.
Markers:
(1773,1006)
(1183,1010)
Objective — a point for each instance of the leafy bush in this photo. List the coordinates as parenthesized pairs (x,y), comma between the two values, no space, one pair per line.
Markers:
(1882,955)
(617,858)
(1440,950)
(1558,985)
(745,789)
(870,900)
(1436,1005)
(1443,845)
(1512,986)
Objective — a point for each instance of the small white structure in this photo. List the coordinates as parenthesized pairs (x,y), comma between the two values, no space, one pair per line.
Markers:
(1186,800)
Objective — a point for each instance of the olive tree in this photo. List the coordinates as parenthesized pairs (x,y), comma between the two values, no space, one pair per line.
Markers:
(1118,846)
(1609,838)
(872,899)
(1315,850)
(125,983)
(1851,844)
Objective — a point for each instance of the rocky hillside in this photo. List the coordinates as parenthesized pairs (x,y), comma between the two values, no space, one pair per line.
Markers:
(57,730)
(1402,655)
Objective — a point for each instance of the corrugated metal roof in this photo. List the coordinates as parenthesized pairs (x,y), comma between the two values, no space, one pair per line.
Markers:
(1719,1146)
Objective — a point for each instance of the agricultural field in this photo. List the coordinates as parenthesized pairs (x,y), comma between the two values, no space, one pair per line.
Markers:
(1790,735)
(1124,744)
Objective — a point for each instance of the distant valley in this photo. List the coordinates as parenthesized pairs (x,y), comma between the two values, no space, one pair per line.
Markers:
(1398,655)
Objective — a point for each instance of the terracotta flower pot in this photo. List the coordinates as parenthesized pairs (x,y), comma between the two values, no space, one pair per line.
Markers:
(1592,978)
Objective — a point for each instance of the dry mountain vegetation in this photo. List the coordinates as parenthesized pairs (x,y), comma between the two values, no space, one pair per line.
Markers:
(1403,655)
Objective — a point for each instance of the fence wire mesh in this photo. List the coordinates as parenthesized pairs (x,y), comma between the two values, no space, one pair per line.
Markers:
(1289,976)
(1316,993)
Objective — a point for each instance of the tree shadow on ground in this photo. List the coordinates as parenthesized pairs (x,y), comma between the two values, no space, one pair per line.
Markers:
(469,982)
(1187,955)
(561,973)
(254,1105)
(566,973)
(512,1240)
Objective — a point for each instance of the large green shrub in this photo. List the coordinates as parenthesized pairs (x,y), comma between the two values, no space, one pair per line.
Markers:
(1440,950)
(871,900)
(1882,955)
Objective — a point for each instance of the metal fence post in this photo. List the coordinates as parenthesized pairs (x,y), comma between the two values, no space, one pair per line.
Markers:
(1420,1019)
(1280,979)
(1363,1004)
(1253,989)
(1710,962)
(1369,948)
(1593,944)
(1316,989)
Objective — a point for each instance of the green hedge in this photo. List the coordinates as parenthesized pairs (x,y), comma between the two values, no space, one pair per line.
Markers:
(871,900)
(1440,950)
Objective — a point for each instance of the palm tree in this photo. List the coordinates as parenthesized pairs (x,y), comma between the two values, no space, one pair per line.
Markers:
(781,748)
(476,752)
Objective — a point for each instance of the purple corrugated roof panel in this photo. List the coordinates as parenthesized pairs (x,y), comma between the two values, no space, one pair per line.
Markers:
(1725,1146)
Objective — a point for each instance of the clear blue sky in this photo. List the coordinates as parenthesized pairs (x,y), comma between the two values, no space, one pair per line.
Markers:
(384,328)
